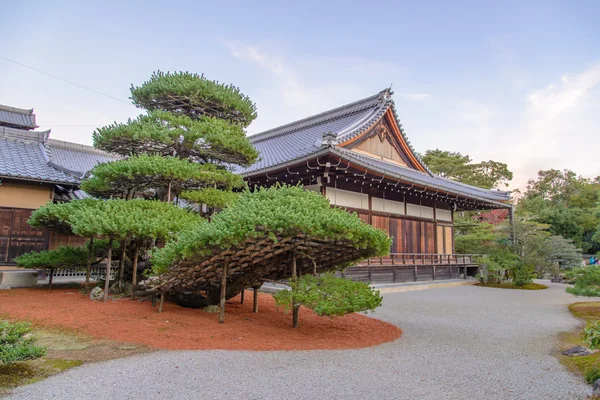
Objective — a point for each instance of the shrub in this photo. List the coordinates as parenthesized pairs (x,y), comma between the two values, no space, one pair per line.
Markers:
(586,279)
(328,295)
(17,344)
(591,335)
(522,274)
(498,264)
(592,374)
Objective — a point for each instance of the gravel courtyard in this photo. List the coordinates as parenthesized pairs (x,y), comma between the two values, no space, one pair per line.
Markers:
(462,342)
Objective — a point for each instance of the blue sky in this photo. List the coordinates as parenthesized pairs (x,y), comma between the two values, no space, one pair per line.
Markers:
(517,82)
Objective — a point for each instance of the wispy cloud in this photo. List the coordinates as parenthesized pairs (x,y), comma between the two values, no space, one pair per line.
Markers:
(296,87)
(416,96)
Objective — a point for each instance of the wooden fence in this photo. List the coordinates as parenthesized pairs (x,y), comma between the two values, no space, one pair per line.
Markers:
(413,267)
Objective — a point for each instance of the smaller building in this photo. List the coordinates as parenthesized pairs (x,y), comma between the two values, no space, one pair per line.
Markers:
(34,170)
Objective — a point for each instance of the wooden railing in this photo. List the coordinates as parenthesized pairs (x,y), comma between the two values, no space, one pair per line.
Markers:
(413,267)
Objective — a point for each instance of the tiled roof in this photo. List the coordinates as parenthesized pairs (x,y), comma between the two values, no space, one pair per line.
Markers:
(75,158)
(304,138)
(17,117)
(29,155)
(423,179)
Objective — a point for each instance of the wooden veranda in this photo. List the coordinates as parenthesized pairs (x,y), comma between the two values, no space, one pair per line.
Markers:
(413,267)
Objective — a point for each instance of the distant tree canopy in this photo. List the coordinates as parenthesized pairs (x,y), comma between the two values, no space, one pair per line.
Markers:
(568,204)
(486,174)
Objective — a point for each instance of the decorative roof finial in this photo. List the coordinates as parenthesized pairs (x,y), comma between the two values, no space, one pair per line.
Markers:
(329,138)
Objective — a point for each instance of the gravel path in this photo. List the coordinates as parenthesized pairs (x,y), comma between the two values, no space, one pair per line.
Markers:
(459,343)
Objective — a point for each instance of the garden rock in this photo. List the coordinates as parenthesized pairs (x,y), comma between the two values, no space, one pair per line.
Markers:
(596,391)
(97,294)
(578,351)
(124,289)
(212,309)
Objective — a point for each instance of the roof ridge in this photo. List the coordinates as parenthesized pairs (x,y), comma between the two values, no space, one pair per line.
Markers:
(16,110)
(23,134)
(63,144)
(322,117)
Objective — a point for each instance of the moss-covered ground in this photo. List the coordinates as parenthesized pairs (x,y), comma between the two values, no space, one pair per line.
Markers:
(587,366)
(65,350)
(509,285)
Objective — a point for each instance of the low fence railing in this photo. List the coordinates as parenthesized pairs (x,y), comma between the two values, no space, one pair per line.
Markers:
(414,267)
(97,272)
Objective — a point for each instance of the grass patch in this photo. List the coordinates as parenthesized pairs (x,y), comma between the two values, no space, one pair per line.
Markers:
(509,285)
(586,366)
(589,311)
(66,349)
(23,373)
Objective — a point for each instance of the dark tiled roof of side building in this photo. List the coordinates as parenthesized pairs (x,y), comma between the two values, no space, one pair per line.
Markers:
(304,138)
(30,155)
(17,117)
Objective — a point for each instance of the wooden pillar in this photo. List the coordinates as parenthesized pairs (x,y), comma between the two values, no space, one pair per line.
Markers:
(255,304)
(295,307)
(107,275)
(89,260)
(242,296)
(223,291)
(50,278)
(122,264)
(136,255)
(162,300)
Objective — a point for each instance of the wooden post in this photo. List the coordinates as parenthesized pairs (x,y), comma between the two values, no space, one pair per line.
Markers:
(295,307)
(136,254)
(223,291)
(242,296)
(162,300)
(434,272)
(122,263)
(50,278)
(89,260)
(107,276)
(255,305)
(416,274)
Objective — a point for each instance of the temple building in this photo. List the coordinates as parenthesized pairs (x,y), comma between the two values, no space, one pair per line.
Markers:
(35,169)
(358,156)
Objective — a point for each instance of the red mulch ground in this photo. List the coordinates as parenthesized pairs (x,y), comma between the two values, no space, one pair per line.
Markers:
(179,328)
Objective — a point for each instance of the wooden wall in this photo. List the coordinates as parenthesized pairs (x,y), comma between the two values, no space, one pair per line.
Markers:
(412,236)
(16,236)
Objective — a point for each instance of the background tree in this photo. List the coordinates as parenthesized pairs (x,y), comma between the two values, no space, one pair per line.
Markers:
(487,174)
(567,203)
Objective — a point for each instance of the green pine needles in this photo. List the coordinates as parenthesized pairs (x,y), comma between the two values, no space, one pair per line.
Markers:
(63,257)
(194,95)
(328,295)
(138,174)
(267,212)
